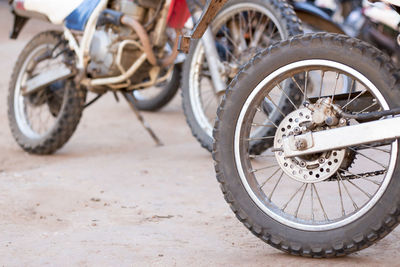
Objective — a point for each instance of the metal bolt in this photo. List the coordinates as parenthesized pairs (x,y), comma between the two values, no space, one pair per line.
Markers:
(302,164)
(321,160)
(297,130)
(301,144)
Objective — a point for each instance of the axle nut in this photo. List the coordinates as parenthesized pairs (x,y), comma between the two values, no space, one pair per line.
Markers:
(301,144)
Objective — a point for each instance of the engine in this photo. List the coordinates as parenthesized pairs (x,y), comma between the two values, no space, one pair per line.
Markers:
(107,38)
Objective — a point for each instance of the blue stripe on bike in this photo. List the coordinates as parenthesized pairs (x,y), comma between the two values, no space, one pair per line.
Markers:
(78,18)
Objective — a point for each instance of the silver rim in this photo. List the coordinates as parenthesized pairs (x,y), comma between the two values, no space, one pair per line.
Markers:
(33,120)
(203,99)
(319,205)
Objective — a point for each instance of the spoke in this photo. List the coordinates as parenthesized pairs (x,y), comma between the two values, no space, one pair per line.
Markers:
(269,178)
(348,193)
(341,198)
(301,199)
(263,125)
(276,106)
(259,110)
(379,149)
(283,91)
(365,156)
(334,89)
(272,34)
(359,176)
(259,33)
(249,21)
(301,90)
(360,94)
(291,198)
(233,42)
(237,33)
(208,101)
(243,43)
(322,80)
(351,90)
(320,202)
(370,106)
(261,156)
(305,87)
(263,168)
(359,188)
(276,185)
(312,203)
(260,138)
(372,181)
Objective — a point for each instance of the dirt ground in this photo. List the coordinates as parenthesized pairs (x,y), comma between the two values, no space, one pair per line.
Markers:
(110,197)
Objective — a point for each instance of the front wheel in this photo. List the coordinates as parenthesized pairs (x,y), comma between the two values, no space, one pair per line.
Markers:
(42,122)
(320,205)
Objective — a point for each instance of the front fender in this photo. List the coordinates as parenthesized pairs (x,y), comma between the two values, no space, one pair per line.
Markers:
(314,16)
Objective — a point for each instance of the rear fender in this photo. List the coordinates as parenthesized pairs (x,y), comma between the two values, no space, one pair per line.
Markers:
(21,16)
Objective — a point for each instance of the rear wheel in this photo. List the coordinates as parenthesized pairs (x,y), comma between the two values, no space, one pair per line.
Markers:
(321,205)
(43,121)
(156,97)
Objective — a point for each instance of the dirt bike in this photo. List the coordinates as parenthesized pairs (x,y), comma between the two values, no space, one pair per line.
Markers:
(116,45)
(325,182)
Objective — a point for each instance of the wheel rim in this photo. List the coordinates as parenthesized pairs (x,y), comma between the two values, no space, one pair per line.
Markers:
(262,180)
(203,99)
(33,119)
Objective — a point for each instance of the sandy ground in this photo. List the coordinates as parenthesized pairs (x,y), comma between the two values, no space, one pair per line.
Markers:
(111,198)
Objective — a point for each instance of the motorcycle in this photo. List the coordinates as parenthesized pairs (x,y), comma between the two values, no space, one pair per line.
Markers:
(117,45)
(325,183)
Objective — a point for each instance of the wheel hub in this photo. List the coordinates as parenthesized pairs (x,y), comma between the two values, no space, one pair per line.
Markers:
(309,168)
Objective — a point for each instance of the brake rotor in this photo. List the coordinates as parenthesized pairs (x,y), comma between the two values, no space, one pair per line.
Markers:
(309,168)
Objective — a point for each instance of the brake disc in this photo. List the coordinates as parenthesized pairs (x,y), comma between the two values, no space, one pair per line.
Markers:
(309,168)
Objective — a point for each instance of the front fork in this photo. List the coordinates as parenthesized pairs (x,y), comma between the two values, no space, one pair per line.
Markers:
(214,64)
(203,31)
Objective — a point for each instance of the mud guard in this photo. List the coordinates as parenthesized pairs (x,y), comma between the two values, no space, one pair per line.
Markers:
(211,9)
(19,23)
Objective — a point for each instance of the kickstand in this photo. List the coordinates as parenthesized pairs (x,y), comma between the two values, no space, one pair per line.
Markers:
(132,101)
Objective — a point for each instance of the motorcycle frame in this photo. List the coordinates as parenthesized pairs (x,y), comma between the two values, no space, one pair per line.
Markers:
(82,50)
(169,16)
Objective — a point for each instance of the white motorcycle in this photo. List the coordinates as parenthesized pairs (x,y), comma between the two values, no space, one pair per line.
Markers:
(326,182)
(106,45)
